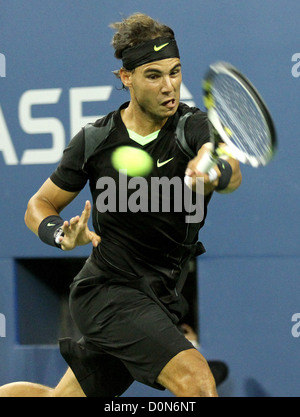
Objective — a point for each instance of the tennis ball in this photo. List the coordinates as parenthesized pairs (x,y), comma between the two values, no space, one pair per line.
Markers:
(137,162)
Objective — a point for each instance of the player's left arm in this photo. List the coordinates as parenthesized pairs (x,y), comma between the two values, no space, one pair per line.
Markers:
(229,172)
(236,176)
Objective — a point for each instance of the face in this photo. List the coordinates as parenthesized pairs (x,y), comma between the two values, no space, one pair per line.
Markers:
(155,88)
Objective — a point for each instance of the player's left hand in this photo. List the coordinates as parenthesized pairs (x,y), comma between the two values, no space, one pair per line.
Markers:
(76,231)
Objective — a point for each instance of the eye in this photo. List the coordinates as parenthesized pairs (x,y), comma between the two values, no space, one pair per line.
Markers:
(175,72)
(152,76)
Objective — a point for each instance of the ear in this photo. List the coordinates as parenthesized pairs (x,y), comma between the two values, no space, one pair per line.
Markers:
(126,77)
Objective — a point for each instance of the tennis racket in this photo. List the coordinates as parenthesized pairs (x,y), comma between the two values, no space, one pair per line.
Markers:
(238,117)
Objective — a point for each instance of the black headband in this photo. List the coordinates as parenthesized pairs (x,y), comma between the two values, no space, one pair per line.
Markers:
(150,51)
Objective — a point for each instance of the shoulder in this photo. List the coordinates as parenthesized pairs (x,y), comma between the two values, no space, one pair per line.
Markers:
(192,128)
(184,109)
(96,133)
(193,119)
(193,115)
(110,119)
(103,121)
(196,119)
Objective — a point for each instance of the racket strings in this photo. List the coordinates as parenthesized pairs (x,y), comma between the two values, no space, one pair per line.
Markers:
(241,115)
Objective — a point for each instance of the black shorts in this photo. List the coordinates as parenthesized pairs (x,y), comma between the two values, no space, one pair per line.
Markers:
(126,336)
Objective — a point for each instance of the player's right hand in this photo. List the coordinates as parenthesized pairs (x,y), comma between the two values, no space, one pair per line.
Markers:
(76,231)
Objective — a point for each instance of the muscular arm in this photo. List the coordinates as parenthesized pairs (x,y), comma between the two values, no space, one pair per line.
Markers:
(49,200)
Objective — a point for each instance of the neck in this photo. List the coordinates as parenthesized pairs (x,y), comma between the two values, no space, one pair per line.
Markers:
(141,122)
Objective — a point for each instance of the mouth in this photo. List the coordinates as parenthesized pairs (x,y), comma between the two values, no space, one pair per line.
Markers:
(169,104)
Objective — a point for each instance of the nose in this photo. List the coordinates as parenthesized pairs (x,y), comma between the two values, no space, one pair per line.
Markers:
(167,85)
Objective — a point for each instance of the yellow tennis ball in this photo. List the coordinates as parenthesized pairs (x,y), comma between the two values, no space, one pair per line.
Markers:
(138,163)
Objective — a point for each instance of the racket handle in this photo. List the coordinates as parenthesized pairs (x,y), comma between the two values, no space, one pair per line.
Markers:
(188,181)
(212,173)
(206,163)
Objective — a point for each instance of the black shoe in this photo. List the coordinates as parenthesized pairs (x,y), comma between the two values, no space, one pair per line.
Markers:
(219,370)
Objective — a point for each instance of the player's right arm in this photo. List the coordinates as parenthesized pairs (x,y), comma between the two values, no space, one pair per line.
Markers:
(50,200)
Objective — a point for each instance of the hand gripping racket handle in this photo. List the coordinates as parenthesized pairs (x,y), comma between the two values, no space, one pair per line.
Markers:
(205,165)
(212,173)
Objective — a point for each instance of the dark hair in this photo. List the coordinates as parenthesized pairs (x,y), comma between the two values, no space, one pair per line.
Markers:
(137,29)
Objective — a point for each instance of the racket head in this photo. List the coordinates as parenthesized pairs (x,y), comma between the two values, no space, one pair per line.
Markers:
(239,115)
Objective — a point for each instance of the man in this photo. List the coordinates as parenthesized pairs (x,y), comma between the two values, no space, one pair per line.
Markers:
(126,300)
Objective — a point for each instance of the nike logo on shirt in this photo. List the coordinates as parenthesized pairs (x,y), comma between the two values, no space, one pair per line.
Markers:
(160,164)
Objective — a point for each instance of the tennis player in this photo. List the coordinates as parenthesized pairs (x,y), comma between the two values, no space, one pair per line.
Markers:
(127,301)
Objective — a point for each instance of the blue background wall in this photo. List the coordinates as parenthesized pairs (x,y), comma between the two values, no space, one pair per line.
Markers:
(249,286)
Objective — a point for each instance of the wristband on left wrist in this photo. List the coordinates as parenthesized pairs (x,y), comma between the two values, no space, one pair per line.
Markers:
(226,174)
(50,229)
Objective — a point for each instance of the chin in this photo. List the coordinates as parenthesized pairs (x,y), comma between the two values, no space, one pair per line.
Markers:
(171,112)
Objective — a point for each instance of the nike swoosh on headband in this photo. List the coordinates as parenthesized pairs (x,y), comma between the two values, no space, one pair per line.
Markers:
(158,48)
